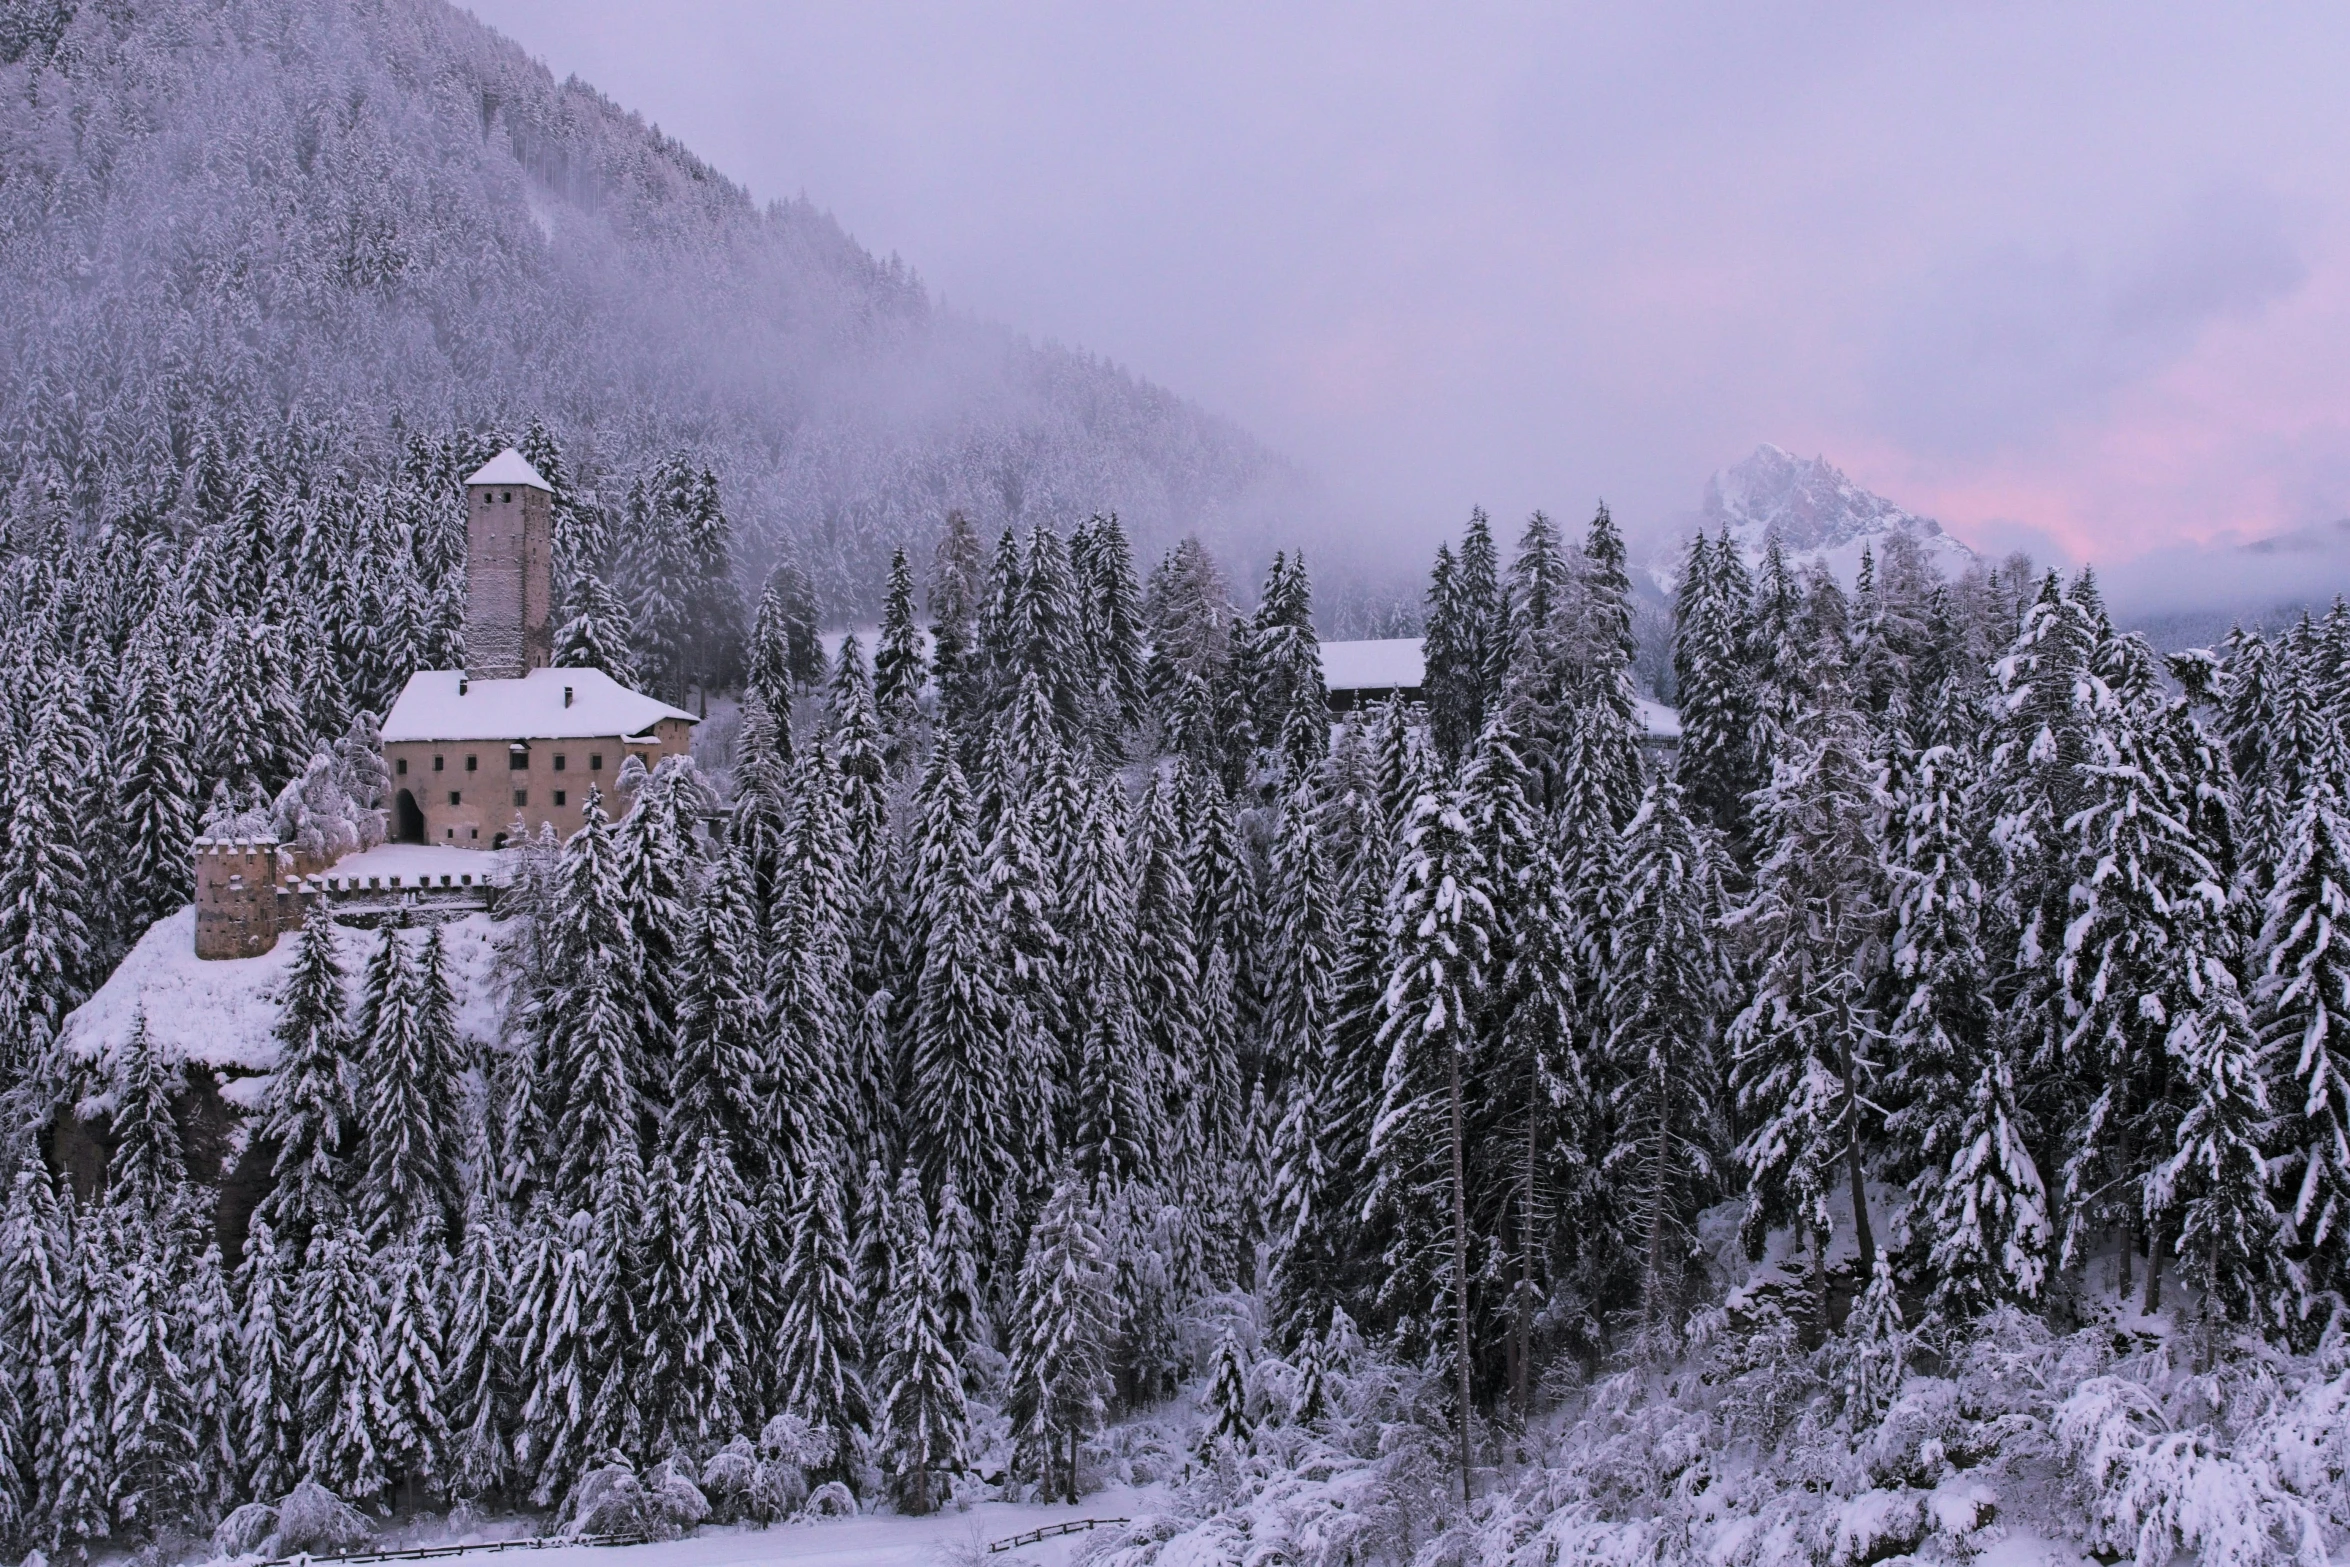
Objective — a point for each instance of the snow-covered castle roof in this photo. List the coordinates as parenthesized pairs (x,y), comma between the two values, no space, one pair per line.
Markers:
(508,467)
(545,704)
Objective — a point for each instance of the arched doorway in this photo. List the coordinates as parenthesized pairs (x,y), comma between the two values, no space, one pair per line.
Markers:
(407,819)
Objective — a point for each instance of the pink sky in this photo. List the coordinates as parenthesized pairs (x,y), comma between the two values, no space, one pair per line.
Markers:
(2072,275)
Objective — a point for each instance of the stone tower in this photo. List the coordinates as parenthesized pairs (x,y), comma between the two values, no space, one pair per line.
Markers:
(509,569)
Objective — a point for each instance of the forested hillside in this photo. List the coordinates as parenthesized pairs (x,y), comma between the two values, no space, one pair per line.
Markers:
(1915,1103)
(291,234)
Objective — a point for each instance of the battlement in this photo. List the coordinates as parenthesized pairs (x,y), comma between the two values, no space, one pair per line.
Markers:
(249,890)
(237,883)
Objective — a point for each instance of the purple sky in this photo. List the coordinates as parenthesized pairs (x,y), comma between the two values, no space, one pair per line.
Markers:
(2062,275)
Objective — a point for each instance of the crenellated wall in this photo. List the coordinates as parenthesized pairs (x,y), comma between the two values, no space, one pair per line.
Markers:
(237,885)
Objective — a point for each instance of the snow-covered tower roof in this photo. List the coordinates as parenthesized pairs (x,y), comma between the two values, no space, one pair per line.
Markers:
(509,467)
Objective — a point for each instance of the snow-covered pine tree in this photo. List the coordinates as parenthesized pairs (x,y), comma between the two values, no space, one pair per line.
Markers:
(1799,1050)
(269,1395)
(152,1475)
(1978,1207)
(411,1363)
(658,872)
(477,1364)
(1060,1331)
(594,633)
(1668,986)
(148,1165)
(899,665)
(957,567)
(46,886)
(1113,627)
(154,788)
(2303,996)
(1227,1427)
(815,1108)
(335,1355)
(410,1109)
(208,1331)
(551,1352)
(820,1347)
(1715,760)
(961,1070)
(955,1241)
(312,1114)
(36,1322)
(80,1489)
(925,1426)
(1441,927)
(1164,972)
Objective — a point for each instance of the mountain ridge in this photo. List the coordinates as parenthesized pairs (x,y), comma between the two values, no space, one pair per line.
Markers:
(354,219)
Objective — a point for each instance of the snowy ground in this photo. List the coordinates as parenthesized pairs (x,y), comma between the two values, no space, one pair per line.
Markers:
(873,1541)
(221,1012)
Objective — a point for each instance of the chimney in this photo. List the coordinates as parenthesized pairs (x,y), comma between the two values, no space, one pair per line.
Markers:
(566,696)
(509,569)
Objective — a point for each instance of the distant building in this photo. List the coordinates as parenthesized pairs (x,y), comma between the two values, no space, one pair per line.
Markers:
(1359,673)
(470,751)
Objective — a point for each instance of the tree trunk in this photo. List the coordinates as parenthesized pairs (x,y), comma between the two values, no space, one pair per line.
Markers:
(1522,1329)
(2153,1301)
(1819,1282)
(1652,1267)
(1862,1231)
(1460,1261)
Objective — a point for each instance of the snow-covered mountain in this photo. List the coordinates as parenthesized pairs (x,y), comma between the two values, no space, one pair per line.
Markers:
(1817,512)
(313,226)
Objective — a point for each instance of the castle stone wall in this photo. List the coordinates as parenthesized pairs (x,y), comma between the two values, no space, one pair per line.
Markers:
(237,899)
(509,580)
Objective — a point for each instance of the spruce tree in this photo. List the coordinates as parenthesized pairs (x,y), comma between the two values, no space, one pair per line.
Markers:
(1227,1427)
(2303,996)
(406,1028)
(480,1374)
(154,788)
(899,664)
(1061,1323)
(925,1427)
(413,1436)
(1979,1210)
(961,1069)
(148,1165)
(335,1356)
(152,1470)
(1799,1061)
(1667,989)
(820,1346)
(312,1115)
(269,1412)
(1441,925)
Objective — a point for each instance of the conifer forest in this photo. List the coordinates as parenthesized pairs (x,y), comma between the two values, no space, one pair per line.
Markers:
(1053,1016)
(1777,1043)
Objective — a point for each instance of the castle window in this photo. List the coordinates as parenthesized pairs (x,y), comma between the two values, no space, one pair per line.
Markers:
(595,761)
(507,496)
(559,797)
(436,763)
(452,832)
(473,764)
(452,797)
(517,758)
(473,832)
(522,797)
(402,767)
(560,760)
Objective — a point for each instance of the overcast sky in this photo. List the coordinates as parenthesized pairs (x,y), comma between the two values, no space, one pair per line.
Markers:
(2078,272)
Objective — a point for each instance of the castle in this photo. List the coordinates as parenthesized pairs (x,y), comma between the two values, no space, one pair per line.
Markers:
(470,752)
